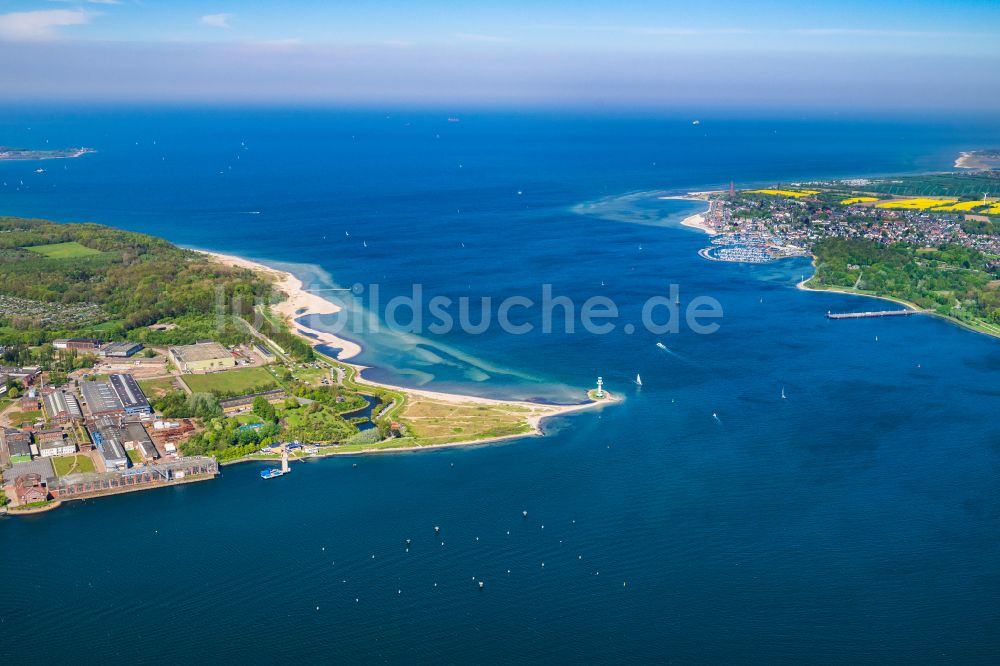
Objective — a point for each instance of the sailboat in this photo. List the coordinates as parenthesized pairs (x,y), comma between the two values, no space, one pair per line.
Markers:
(638,380)
(782,392)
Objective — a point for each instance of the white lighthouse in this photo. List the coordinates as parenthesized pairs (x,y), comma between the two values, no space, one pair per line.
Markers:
(600,390)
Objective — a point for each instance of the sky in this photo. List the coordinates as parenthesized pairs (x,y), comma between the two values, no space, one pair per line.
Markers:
(848,55)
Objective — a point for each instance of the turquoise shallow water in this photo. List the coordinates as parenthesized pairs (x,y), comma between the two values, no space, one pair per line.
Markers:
(854,521)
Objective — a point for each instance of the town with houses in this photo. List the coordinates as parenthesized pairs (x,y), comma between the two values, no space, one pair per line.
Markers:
(756,226)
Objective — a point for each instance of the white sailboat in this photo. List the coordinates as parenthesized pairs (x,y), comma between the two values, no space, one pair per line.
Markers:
(782,392)
(638,380)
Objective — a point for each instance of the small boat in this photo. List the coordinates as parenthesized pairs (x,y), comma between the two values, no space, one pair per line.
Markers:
(638,380)
(39,170)
(782,392)
(696,122)
(271,473)
(661,346)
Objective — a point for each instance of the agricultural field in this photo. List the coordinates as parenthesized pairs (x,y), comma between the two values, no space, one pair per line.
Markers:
(919,203)
(232,382)
(71,250)
(75,464)
(795,194)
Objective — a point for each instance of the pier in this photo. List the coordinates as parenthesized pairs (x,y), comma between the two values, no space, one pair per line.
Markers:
(866,315)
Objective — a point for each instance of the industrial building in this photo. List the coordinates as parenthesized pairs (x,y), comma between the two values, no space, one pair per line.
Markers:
(100,398)
(23,375)
(79,344)
(120,349)
(18,445)
(136,438)
(204,356)
(132,398)
(62,406)
(108,438)
(53,443)
(30,489)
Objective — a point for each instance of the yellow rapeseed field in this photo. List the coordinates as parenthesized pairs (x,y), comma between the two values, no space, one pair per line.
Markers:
(962,206)
(786,193)
(994,210)
(915,204)
(854,200)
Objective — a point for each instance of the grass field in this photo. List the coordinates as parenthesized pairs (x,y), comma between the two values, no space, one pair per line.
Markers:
(157,388)
(134,456)
(231,382)
(20,418)
(72,464)
(72,250)
(440,422)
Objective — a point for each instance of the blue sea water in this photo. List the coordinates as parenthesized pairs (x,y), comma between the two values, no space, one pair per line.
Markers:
(857,520)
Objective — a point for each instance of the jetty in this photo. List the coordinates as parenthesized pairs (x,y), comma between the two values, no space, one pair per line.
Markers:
(877,313)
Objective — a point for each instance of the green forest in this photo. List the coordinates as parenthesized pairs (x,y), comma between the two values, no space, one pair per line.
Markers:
(951,280)
(134,280)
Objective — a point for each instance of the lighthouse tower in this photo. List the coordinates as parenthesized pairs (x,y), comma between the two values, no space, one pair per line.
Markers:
(600,390)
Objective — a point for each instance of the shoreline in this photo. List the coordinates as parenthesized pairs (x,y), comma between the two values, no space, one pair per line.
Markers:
(804,286)
(534,421)
(698,221)
(300,303)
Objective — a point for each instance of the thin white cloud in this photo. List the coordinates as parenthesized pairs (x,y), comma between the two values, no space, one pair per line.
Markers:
(105,2)
(865,32)
(484,39)
(216,20)
(40,24)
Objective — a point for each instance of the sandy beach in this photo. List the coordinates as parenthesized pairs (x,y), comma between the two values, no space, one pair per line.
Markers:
(698,221)
(300,302)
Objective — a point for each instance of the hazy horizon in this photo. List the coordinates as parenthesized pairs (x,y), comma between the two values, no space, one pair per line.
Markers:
(930,56)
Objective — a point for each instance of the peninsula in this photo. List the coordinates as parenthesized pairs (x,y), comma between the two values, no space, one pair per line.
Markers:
(137,378)
(10,154)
